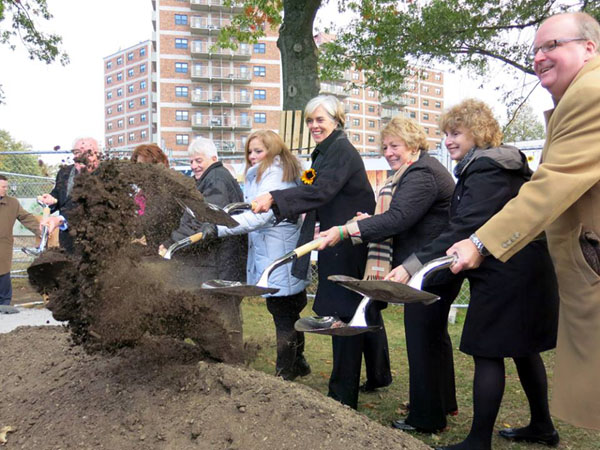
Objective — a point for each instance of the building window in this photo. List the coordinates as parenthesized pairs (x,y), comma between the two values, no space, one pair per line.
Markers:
(181,67)
(110,141)
(438,91)
(120,139)
(143,134)
(438,104)
(120,107)
(109,126)
(260,94)
(371,108)
(182,139)
(109,110)
(143,84)
(371,124)
(181,43)
(119,92)
(142,68)
(438,76)
(108,80)
(109,65)
(131,120)
(355,91)
(109,95)
(426,130)
(131,104)
(181,115)
(412,115)
(181,19)
(356,137)
(425,88)
(371,94)
(119,60)
(425,102)
(143,101)
(130,73)
(412,100)
(119,76)
(260,118)
(371,138)
(425,116)
(181,91)
(259,48)
(355,75)
(120,123)
(355,106)
(143,117)
(142,52)
(132,136)
(260,71)
(129,56)
(130,88)
(355,122)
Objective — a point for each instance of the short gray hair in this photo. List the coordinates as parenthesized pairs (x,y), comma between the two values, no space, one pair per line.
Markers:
(202,146)
(589,28)
(331,105)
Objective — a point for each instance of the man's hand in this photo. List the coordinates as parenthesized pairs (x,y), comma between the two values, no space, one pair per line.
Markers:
(468,256)
(47,199)
(331,237)
(399,275)
(262,203)
(52,222)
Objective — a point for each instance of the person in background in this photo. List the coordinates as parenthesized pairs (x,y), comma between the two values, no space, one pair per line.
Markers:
(86,157)
(149,154)
(10,211)
(335,189)
(513,307)
(412,210)
(562,200)
(271,165)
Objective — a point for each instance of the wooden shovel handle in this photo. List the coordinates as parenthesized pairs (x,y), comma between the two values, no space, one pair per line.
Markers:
(196,237)
(308,247)
(46,212)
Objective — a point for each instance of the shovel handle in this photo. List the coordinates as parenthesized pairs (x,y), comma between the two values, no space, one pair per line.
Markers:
(308,247)
(195,237)
(46,212)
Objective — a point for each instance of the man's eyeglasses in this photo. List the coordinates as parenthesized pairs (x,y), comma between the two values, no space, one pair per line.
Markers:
(548,46)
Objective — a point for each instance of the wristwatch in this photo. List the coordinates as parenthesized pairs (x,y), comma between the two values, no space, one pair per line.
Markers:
(479,245)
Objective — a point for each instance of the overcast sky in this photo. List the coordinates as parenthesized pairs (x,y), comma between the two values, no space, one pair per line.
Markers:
(49,105)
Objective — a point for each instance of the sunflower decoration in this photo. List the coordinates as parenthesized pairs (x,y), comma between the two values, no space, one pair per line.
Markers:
(308,176)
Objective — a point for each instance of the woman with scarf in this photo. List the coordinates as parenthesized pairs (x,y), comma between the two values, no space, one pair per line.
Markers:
(412,209)
(334,190)
(513,311)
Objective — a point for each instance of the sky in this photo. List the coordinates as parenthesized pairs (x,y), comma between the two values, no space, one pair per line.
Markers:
(50,105)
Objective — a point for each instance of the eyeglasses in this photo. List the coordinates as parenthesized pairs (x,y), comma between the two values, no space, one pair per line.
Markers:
(548,46)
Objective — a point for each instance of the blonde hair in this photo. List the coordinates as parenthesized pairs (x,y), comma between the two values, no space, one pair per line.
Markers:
(275,147)
(332,106)
(408,130)
(477,118)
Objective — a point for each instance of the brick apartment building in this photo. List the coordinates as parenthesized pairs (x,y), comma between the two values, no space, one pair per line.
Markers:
(195,90)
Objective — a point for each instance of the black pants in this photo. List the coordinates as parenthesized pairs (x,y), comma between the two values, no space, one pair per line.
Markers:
(290,343)
(5,289)
(432,392)
(347,360)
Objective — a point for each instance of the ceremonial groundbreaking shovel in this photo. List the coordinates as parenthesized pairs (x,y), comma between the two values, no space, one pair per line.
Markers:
(262,287)
(36,251)
(382,290)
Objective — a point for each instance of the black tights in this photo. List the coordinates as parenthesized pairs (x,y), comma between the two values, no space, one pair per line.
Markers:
(488,388)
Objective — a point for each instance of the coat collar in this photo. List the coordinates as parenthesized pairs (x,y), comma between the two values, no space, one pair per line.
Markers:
(208,170)
(322,147)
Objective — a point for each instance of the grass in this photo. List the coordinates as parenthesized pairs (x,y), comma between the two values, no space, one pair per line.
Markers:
(386,405)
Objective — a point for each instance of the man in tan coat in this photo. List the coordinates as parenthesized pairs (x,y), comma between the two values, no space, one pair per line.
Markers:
(10,211)
(562,199)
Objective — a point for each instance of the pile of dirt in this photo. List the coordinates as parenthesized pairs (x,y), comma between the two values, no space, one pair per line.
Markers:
(158,396)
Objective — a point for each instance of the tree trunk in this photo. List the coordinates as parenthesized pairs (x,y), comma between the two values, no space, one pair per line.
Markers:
(299,53)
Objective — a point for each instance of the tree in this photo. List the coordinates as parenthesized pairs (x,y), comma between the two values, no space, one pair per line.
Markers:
(18,164)
(22,25)
(524,126)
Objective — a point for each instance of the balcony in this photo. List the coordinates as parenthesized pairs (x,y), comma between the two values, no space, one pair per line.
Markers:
(233,75)
(393,100)
(229,146)
(333,89)
(203,25)
(203,122)
(240,99)
(204,49)
(215,5)
(388,113)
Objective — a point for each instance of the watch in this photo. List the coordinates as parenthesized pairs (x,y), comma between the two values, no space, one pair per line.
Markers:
(479,245)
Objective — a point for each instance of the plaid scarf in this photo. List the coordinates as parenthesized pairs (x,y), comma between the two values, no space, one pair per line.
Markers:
(379,257)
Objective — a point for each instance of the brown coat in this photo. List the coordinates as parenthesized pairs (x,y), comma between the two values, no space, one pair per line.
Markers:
(10,211)
(562,198)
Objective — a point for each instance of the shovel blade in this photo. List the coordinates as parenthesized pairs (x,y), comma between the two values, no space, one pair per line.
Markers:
(385,290)
(330,325)
(235,288)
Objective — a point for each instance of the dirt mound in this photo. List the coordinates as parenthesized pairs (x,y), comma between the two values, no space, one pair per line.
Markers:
(157,396)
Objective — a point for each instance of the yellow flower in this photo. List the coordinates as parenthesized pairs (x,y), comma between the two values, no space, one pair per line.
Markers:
(308,176)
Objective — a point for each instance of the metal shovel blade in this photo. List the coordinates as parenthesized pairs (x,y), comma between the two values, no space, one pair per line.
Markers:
(330,325)
(235,288)
(383,290)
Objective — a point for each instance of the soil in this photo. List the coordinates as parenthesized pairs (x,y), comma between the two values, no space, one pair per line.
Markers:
(122,374)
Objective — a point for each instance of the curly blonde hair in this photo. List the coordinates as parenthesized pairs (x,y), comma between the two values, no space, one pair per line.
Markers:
(408,130)
(477,118)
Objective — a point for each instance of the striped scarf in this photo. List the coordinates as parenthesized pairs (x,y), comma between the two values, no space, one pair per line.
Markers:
(379,256)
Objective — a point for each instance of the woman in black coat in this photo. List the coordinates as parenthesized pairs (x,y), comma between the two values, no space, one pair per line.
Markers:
(513,311)
(421,189)
(337,191)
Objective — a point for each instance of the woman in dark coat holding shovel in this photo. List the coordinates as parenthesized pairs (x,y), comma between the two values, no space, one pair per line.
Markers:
(335,189)
(412,210)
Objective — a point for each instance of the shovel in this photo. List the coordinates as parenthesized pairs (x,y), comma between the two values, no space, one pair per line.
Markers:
(262,287)
(36,251)
(185,242)
(382,290)
(230,209)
